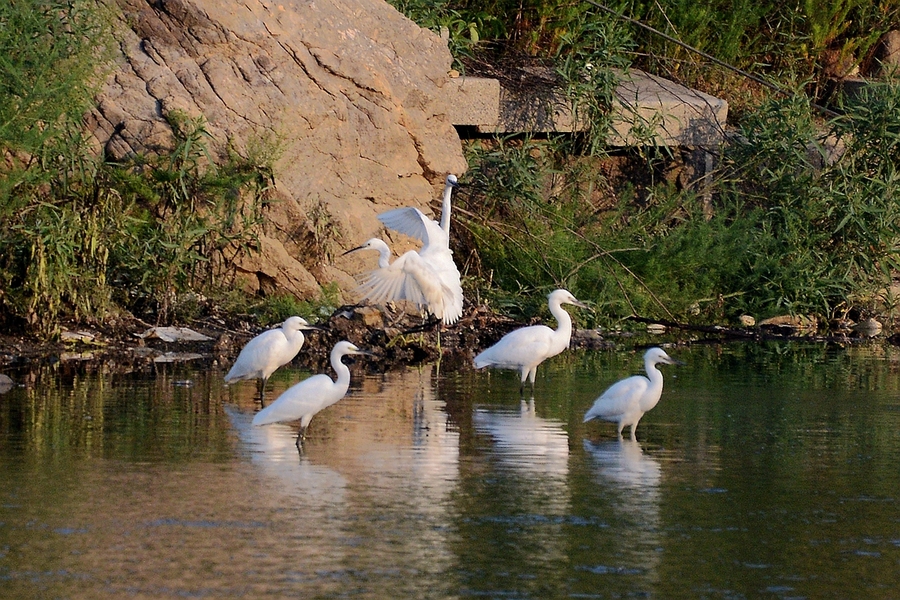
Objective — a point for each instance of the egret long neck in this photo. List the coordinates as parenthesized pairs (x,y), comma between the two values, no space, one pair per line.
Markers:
(445,209)
(384,256)
(563,332)
(295,338)
(656,384)
(343,372)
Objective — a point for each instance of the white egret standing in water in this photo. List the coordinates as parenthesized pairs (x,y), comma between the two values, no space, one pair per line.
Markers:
(524,349)
(409,278)
(435,249)
(269,350)
(626,401)
(303,400)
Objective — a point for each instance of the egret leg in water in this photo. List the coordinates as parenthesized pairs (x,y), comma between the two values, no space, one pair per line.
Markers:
(525,348)
(266,352)
(309,397)
(626,401)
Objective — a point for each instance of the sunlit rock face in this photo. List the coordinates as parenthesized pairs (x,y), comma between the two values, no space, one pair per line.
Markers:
(349,93)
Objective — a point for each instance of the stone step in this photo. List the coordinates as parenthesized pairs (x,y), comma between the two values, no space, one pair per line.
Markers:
(648,110)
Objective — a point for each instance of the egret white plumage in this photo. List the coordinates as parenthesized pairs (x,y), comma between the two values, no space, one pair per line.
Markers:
(626,401)
(436,245)
(524,349)
(409,278)
(269,350)
(307,398)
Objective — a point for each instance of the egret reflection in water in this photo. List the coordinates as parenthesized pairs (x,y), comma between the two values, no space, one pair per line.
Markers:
(435,439)
(623,461)
(525,441)
(273,450)
(631,481)
(388,449)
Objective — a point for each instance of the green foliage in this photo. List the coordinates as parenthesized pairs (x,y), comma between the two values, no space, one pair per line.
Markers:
(466,25)
(794,228)
(52,55)
(590,57)
(184,217)
(134,235)
(824,232)
(788,42)
(276,308)
(47,71)
(49,57)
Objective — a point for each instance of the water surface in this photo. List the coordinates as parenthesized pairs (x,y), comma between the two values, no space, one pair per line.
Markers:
(766,471)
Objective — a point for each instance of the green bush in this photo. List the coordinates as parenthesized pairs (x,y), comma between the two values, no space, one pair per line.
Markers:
(84,239)
(52,55)
(183,218)
(793,228)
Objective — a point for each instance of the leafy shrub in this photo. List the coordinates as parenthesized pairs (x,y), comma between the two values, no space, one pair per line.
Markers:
(184,217)
(794,228)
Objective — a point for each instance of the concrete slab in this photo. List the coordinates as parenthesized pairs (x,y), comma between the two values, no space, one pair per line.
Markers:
(649,110)
(474,101)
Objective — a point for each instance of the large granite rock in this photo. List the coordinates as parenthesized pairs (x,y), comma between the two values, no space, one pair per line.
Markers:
(350,89)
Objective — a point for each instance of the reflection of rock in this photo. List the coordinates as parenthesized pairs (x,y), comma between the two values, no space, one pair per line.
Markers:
(174,334)
(171,357)
(791,324)
(524,440)
(868,328)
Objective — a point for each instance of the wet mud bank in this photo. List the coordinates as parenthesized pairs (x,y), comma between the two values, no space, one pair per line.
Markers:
(395,339)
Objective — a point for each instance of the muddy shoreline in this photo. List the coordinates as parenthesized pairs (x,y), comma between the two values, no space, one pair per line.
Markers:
(395,339)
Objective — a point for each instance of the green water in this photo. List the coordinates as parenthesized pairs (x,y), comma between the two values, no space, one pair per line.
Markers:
(766,471)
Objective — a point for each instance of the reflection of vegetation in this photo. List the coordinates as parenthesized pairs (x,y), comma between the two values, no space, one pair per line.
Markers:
(98,416)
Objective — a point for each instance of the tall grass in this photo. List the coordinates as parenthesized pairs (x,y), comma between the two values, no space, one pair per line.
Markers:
(86,239)
(795,229)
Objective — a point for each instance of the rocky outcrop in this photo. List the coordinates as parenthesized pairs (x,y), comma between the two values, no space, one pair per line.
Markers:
(349,90)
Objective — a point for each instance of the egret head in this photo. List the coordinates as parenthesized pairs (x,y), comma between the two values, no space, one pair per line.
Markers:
(372,244)
(658,356)
(565,297)
(344,348)
(451,180)
(298,324)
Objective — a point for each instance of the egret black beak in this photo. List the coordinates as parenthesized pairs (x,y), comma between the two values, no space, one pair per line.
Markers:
(352,250)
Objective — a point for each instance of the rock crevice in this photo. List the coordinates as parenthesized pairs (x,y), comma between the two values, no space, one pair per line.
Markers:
(351,89)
